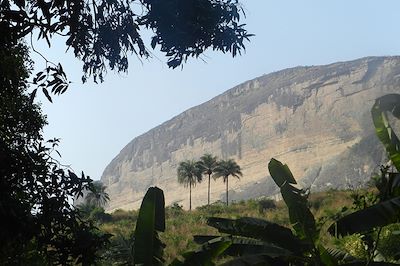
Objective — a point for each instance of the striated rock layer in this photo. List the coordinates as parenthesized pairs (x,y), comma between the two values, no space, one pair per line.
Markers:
(316,119)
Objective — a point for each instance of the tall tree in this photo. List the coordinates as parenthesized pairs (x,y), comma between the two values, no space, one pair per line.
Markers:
(189,174)
(97,195)
(207,164)
(39,224)
(224,169)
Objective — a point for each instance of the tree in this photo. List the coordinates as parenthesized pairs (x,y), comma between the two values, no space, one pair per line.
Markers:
(39,224)
(226,168)
(189,174)
(103,33)
(207,164)
(97,195)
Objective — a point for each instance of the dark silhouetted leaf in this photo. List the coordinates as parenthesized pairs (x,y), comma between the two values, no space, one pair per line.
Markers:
(388,103)
(365,220)
(205,255)
(300,215)
(148,247)
(259,229)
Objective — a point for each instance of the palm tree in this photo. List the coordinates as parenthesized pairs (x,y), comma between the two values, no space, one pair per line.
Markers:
(207,164)
(189,173)
(225,169)
(97,195)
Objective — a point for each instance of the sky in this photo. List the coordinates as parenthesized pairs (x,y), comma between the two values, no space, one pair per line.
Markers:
(95,121)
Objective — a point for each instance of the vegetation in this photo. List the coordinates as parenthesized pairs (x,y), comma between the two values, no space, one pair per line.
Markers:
(254,241)
(97,195)
(180,29)
(208,163)
(40,225)
(189,173)
(226,168)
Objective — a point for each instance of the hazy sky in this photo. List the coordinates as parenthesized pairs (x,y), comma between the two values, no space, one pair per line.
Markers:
(96,121)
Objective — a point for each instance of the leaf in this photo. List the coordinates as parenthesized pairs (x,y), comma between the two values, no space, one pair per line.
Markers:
(280,173)
(205,254)
(300,215)
(257,260)
(380,214)
(259,229)
(148,247)
(371,263)
(46,93)
(153,42)
(387,103)
(339,255)
(241,246)
(32,96)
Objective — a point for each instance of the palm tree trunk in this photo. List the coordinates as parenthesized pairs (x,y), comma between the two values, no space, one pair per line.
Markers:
(227,178)
(190,195)
(209,176)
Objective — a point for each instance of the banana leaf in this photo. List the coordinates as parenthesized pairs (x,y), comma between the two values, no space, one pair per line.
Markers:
(205,255)
(380,214)
(148,247)
(258,260)
(388,103)
(241,246)
(300,215)
(260,229)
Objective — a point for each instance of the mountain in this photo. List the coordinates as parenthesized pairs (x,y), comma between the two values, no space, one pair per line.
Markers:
(315,118)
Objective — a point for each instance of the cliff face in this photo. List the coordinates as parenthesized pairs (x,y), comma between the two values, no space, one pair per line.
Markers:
(316,119)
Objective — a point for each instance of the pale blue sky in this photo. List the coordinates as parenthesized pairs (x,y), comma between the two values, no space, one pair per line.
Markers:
(96,121)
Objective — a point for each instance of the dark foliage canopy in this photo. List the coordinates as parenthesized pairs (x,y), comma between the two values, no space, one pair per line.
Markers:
(39,224)
(103,33)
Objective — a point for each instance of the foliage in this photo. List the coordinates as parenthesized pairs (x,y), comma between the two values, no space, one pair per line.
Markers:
(103,33)
(39,221)
(189,173)
(226,168)
(266,204)
(208,163)
(97,195)
(148,247)
(388,103)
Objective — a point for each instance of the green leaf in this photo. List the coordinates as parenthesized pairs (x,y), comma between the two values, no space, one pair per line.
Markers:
(259,229)
(241,246)
(148,247)
(339,255)
(300,215)
(380,214)
(372,263)
(280,173)
(257,260)
(387,103)
(205,255)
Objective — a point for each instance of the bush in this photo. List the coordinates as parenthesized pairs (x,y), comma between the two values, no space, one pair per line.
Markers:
(266,204)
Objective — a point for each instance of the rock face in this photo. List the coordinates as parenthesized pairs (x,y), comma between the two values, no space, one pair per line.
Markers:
(316,119)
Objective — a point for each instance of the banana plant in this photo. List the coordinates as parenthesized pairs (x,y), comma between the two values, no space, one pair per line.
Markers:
(148,248)
(256,241)
(387,210)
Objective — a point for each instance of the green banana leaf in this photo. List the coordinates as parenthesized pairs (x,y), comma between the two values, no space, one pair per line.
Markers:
(259,229)
(148,247)
(365,220)
(205,255)
(300,215)
(387,103)
(241,246)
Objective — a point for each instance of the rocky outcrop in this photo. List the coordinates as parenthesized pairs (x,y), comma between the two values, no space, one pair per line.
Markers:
(316,119)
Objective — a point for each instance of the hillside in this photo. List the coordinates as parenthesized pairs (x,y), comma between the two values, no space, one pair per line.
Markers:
(315,118)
